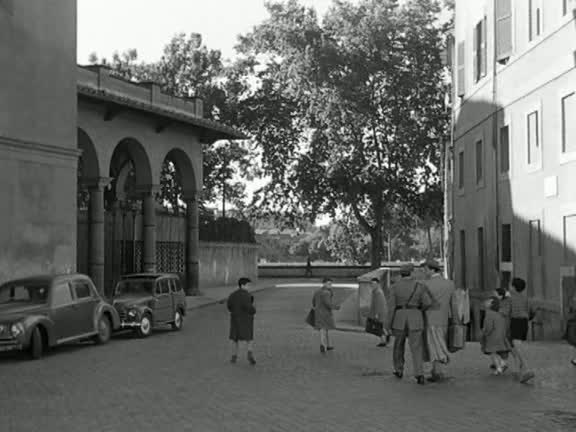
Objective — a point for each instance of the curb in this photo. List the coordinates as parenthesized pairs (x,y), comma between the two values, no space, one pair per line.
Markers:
(213,301)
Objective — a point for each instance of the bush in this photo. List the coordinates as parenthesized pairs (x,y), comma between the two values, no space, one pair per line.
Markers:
(225,230)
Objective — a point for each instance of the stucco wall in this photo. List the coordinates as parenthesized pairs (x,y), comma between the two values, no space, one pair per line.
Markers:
(37,137)
(223,263)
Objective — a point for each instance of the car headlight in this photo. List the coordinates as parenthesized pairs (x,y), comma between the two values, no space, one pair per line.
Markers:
(17,329)
(132,313)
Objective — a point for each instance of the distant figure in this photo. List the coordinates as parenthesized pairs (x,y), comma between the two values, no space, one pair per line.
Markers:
(494,340)
(438,317)
(308,267)
(408,301)
(520,314)
(379,308)
(323,304)
(241,306)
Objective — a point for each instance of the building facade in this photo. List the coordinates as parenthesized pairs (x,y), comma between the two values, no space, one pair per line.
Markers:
(66,131)
(513,155)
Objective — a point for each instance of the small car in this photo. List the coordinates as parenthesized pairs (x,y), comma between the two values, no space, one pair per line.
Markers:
(41,312)
(147,300)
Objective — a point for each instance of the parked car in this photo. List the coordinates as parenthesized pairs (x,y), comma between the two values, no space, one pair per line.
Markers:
(148,300)
(38,313)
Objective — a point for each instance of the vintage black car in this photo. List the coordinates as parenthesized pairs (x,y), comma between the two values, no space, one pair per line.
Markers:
(40,312)
(148,300)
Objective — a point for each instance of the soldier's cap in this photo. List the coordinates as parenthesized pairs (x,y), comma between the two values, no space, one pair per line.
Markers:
(433,264)
(406,269)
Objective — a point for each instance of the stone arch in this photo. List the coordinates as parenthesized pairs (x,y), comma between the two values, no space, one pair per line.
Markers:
(185,170)
(89,158)
(130,168)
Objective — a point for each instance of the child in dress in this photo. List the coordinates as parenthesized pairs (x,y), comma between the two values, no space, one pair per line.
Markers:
(494,335)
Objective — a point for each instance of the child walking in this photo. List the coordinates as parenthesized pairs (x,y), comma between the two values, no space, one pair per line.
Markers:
(494,335)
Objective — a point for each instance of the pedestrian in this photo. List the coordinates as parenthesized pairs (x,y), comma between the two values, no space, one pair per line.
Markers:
(308,272)
(438,317)
(323,305)
(520,315)
(241,306)
(379,309)
(494,341)
(407,303)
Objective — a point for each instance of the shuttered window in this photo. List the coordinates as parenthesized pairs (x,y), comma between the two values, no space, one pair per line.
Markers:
(534,19)
(533,135)
(461,83)
(504,36)
(480,50)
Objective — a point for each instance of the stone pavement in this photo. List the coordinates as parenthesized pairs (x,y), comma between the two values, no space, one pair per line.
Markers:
(183,381)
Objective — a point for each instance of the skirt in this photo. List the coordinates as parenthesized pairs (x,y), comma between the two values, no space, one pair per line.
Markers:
(519,329)
(435,348)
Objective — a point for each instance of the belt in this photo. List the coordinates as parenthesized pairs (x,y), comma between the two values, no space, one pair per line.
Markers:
(407,307)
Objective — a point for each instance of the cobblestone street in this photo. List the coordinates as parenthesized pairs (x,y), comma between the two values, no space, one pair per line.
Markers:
(183,381)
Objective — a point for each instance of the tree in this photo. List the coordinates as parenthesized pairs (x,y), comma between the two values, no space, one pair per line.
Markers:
(360,108)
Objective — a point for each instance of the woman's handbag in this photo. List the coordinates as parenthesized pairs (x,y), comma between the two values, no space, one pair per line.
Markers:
(374,327)
(570,334)
(310,318)
(456,337)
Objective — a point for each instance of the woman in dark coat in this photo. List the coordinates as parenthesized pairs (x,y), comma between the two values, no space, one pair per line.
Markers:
(323,304)
(241,307)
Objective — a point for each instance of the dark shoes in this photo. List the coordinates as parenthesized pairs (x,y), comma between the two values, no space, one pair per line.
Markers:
(329,348)
(251,359)
(234,359)
(434,378)
(398,374)
(420,380)
(382,344)
(322,349)
(574,362)
(526,376)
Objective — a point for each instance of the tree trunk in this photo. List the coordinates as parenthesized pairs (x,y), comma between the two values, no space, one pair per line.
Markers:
(430,245)
(376,249)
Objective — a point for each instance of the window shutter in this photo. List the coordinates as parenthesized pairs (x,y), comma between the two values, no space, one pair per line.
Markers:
(484,48)
(503,29)
(461,69)
(475,54)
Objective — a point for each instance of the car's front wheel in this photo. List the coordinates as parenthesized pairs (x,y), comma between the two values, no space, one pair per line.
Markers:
(104,330)
(36,349)
(178,321)
(145,328)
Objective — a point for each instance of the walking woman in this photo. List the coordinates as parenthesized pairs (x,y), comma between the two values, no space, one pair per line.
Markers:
(379,309)
(323,304)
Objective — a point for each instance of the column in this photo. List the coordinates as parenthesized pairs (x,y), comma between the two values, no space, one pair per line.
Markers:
(149,228)
(96,251)
(192,239)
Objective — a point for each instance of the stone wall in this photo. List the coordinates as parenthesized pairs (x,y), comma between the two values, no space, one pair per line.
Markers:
(223,263)
(336,271)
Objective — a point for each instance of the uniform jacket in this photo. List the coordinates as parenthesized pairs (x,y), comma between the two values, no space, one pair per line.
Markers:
(242,311)
(400,292)
(323,304)
(378,306)
(445,306)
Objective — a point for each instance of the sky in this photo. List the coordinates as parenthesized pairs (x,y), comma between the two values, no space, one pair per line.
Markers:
(105,26)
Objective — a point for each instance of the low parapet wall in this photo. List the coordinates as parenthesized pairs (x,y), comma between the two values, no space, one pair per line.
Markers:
(288,270)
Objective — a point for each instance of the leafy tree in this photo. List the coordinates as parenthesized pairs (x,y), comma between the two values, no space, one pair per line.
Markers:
(354,108)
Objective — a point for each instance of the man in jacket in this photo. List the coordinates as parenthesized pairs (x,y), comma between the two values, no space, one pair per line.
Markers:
(408,300)
(241,307)
(438,317)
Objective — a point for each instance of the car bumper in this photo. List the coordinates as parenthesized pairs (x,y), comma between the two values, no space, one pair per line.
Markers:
(129,324)
(10,345)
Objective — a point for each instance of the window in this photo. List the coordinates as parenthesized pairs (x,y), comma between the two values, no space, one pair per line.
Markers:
(176,286)
(162,287)
(504,150)
(82,289)
(463,268)
(533,135)
(504,35)
(480,50)
(461,70)
(480,236)
(61,294)
(569,123)
(479,162)
(461,170)
(506,243)
(534,19)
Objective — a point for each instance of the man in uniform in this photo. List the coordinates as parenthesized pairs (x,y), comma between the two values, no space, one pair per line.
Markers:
(408,301)
(438,318)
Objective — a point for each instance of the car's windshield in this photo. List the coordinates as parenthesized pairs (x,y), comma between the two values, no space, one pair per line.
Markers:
(24,292)
(135,286)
